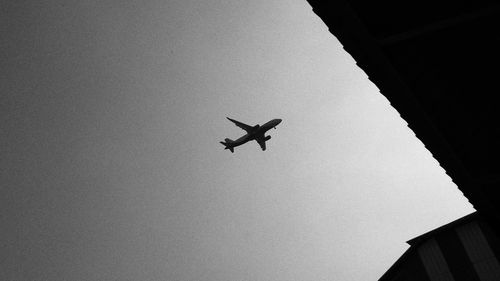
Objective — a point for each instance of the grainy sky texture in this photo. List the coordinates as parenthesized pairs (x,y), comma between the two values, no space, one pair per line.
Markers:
(111,168)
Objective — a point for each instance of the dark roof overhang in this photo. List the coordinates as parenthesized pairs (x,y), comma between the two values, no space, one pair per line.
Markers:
(437,62)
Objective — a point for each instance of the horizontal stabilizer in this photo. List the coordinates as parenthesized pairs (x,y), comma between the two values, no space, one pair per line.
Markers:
(227,145)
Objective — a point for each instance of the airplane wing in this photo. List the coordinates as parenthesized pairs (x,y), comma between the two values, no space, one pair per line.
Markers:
(261,140)
(244,126)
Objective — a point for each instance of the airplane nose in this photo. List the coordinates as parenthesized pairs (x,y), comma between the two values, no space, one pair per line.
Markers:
(279,120)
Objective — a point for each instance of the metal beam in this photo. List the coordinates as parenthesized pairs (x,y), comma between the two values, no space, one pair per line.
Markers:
(439,25)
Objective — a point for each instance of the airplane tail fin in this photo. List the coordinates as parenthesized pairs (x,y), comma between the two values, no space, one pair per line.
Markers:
(227,144)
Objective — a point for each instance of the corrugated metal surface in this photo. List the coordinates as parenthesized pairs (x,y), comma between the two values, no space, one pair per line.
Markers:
(434,261)
(456,257)
(479,252)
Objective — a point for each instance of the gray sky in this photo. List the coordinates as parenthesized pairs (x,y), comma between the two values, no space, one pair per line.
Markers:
(111,169)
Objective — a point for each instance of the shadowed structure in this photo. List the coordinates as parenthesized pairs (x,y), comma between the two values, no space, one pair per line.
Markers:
(463,250)
(437,63)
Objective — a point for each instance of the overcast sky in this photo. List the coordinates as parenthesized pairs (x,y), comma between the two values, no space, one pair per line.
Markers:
(111,168)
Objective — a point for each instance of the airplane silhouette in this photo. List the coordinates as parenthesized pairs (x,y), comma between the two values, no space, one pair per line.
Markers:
(256,133)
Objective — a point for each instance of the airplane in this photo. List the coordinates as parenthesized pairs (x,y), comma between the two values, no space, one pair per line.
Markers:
(256,133)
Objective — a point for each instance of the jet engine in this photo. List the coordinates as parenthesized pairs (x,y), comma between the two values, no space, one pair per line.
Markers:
(267,138)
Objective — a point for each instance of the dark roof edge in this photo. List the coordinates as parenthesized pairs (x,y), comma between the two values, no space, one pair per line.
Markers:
(402,258)
(343,23)
(419,239)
